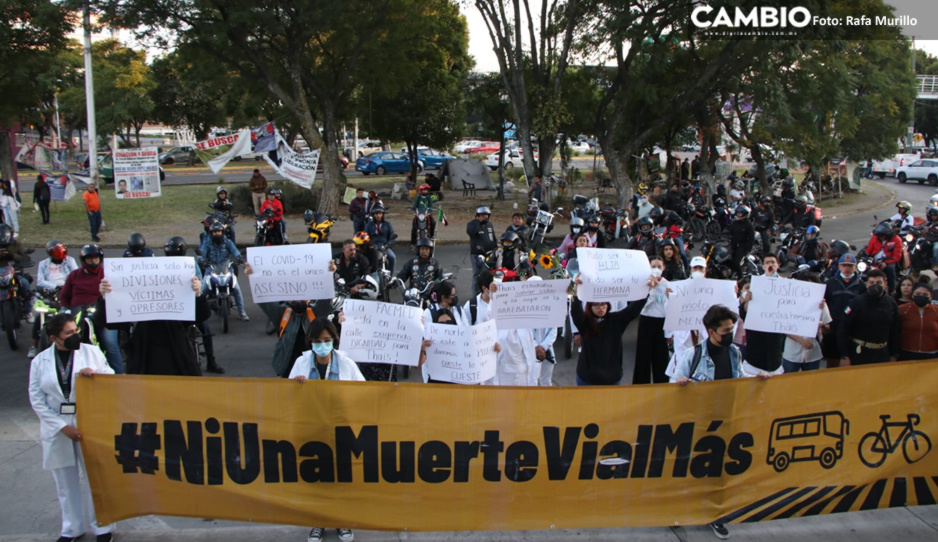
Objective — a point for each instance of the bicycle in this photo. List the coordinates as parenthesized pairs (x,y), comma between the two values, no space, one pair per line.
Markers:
(876,446)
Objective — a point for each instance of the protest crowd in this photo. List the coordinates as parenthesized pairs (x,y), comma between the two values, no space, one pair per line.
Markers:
(725,314)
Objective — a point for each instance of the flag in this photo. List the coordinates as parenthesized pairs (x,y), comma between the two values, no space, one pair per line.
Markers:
(440,217)
(263,138)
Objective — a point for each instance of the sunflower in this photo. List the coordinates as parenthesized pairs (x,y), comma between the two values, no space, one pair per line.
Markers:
(546,261)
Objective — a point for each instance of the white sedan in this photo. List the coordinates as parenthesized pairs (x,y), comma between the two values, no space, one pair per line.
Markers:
(512,159)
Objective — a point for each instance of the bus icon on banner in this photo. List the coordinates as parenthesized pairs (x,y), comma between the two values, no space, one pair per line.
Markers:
(809,437)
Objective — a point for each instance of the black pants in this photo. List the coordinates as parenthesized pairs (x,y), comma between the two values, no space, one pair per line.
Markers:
(908,355)
(44,209)
(431,229)
(651,352)
(206,330)
(766,241)
(867,355)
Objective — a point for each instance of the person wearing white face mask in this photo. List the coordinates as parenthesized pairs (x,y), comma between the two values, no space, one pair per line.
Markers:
(651,347)
(683,340)
(698,267)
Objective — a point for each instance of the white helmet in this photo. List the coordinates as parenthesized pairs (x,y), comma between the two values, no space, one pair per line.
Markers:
(369,290)
(933,200)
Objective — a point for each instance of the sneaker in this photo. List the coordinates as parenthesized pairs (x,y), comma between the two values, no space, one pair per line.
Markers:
(245,317)
(346,535)
(30,318)
(315,534)
(69,538)
(31,353)
(106,537)
(720,530)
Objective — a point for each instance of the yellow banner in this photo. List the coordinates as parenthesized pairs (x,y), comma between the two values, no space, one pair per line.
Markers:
(427,457)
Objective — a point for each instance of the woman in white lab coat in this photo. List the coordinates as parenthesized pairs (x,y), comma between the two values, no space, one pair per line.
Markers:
(52,377)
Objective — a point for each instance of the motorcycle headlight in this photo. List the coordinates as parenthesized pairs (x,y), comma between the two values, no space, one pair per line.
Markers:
(861,267)
(909,237)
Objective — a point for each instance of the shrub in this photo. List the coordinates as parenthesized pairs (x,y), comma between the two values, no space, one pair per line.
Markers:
(295,198)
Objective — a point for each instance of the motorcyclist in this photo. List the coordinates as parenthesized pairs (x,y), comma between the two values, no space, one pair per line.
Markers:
(597,238)
(223,204)
(11,251)
(382,235)
(512,255)
(50,277)
(364,247)
(218,250)
(418,272)
(719,201)
(801,216)
(674,230)
(352,266)
(811,250)
(176,246)
(837,249)
(644,240)
(742,237)
(903,219)
(930,230)
(640,191)
(577,225)
(481,241)
(699,198)
(737,193)
(885,247)
(137,247)
(274,231)
(519,227)
(763,220)
(423,202)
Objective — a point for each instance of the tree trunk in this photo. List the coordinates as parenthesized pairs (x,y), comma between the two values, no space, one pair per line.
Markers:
(333,182)
(501,163)
(7,170)
(618,164)
(545,162)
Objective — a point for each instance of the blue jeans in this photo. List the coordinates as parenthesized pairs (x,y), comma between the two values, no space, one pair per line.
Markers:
(94,219)
(392,260)
(792,367)
(581,382)
(112,350)
(679,241)
(890,271)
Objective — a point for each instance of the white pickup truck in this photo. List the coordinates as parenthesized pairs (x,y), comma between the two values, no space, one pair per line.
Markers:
(888,167)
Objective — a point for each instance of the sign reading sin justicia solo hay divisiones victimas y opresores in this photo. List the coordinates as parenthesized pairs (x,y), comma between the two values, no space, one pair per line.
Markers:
(424,457)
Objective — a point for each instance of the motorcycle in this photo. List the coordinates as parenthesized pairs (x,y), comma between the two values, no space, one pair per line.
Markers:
(382,271)
(420,298)
(220,279)
(614,222)
(787,237)
(919,249)
(225,219)
(423,221)
(14,300)
(45,305)
(318,227)
(584,207)
(267,230)
(718,256)
(541,225)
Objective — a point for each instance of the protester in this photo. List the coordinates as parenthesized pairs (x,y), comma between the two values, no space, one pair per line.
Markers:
(137,247)
(841,289)
(10,206)
(443,316)
(382,234)
(919,325)
(93,208)
(42,195)
(744,292)
(52,375)
(324,361)
(871,331)
(903,293)
(50,277)
(444,296)
(477,308)
(763,348)
(356,209)
(219,250)
(582,241)
(804,353)
(600,329)
(258,187)
(651,347)
(596,237)
(482,240)
(673,266)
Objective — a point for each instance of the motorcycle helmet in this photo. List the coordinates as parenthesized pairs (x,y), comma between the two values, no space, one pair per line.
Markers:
(309,215)
(698,189)
(510,239)
(721,189)
(739,185)
(766,200)
(811,234)
(720,254)
(904,208)
(220,237)
(592,223)
(424,242)
(136,243)
(933,200)
(377,209)
(576,225)
(932,214)
(361,238)
(883,231)
(666,243)
(719,202)
(645,225)
(276,192)
(801,202)
(655,214)
(56,250)
(839,248)
(642,188)
(483,210)
(6,235)
(88,251)
(741,212)
(220,190)
(368,290)
(207,222)
(788,183)
(423,188)
(175,246)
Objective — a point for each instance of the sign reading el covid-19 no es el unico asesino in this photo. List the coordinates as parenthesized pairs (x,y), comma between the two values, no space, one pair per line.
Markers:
(428,457)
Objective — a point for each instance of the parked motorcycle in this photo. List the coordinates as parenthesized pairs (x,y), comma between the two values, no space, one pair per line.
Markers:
(584,207)
(45,305)
(542,224)
(787,237)
(718,255)
(318,226)
(267,230)
(14,300)
(614,223)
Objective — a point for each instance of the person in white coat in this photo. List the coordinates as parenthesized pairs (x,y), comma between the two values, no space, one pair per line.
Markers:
(543,371)
(323,362)
(517,354)
(52,376)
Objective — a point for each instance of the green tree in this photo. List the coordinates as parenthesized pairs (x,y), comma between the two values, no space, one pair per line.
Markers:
(488,109)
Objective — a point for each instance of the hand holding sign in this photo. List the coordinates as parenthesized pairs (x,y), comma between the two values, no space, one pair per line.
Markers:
(290,273)
(375,332)
(462,354)
(143,289)
(785,306)
(613,274)
(689,300)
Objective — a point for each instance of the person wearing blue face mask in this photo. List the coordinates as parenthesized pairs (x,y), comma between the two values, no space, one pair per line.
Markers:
(324,362)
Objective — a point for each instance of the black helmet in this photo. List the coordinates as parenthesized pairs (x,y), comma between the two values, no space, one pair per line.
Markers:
(742,210)
(932,214)
(789,183)
(645,225)
(655,214)
(576,225)
(175,246)
(136,243)
(667,243)
(216,226)
(801,201)
(883,230)
(839,248)
(274,191)
(424,242)
(91,250)
(511,237)
(309,215)
(765,199)
(377,209)
(6,235)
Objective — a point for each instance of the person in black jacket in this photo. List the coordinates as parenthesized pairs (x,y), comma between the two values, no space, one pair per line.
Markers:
(673,266)
(481,240)
(742,237)
(763,220)
(382,235)
(352,266)
(870,331)
(841,290)
(42,196)
(600,329)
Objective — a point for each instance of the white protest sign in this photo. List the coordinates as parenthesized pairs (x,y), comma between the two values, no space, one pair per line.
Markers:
(375,332)
(690,299)
(530,304)
(612,274)
(461,354)
(785,306)
(299,167)
(136,173)
(145,289)
(291,272)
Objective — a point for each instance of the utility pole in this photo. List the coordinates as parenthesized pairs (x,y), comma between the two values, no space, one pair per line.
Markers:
(89,96)
(909,136)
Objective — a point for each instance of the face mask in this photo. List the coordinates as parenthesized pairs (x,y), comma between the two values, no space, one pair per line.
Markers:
(576,230)
(73,342)
(454,301)
(322,349)
(593,227)
(921,300)
(218,239)
(697,274)
(848,277)
(726,339)
(876,290)
(57,261)
(655,272)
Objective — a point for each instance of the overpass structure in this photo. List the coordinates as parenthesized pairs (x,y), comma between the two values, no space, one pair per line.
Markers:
(927,87)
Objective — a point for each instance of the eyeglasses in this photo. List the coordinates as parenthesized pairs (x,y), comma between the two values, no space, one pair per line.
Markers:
(321,341)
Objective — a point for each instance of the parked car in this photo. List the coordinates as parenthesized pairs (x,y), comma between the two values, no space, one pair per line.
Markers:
(919,170)
(343,163)
(384,162)
(431,158)
(464,146)
(581,147)
(484,148)
(513,157)
(179,155)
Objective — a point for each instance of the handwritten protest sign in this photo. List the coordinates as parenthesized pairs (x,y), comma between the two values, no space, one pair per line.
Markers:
(294,166)
(145,289)
(690,299)
(291,273)
(613,274)
(530,304)
(785,306)
(462,354)
(136,173)
(376,332)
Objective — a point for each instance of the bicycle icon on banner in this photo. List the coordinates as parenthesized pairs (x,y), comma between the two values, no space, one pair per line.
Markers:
(874,447)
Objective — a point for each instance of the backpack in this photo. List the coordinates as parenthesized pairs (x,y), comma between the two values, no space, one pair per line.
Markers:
(698,353)
(474,308)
